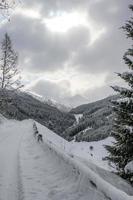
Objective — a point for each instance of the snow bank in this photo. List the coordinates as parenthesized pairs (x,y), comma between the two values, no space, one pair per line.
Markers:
(107,189)
(49,169)
(88,175)
(45,175)
(93,152)
(129,167)
(2,119)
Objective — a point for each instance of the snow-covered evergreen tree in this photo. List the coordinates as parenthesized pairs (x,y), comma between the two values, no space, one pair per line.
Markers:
(121,153)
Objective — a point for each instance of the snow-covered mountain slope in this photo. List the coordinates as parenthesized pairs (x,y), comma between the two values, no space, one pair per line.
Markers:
(30,170)
(97,115)
(78,116)
(50,102)
(20,106)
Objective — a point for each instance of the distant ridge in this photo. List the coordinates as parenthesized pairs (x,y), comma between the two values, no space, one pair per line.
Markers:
(95,123)
(20,105)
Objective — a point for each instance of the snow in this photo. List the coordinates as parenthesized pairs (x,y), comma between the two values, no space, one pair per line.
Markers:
(129,167)
(2,119)
(124,100)
(51,170)
(84,131)
(80,149)
(106,188)
(10,136)
(127,74)
(120,89)
(95,155)
(129,128)
(49,101)
(78,116)
(45,175)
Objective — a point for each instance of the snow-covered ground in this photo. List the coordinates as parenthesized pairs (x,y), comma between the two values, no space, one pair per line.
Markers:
(10,137)
(93,152)
(78,116)
(52,170)
(45,175)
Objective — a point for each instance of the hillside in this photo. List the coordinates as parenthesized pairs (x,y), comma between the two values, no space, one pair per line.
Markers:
(92,107)
(50,102)
(88,122)
(22,106)
(95,121)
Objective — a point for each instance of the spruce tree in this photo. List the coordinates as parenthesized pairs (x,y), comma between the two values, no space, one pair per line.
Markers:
(121,153)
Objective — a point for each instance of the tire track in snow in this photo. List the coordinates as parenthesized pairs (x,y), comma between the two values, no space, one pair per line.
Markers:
(47,177)
(10,187)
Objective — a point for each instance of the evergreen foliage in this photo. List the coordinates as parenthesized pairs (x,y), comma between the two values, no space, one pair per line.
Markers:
(95,122)
(121,153)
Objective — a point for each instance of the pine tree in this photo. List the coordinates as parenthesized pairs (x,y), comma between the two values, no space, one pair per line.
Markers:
(121,153)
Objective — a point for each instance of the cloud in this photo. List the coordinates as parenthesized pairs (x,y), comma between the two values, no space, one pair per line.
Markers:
(42,50)
(90,49)
(55,6)
(105,55)
(50,89)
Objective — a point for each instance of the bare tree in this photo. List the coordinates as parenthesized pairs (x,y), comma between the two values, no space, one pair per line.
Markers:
(7,4)
(9,73)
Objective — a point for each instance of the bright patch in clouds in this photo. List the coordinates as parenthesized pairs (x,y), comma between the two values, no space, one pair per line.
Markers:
(65,21)
(95,35)
(81,83)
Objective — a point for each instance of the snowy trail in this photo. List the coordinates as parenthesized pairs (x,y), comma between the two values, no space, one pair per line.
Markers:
(44,171)
(47,177)
(9,146)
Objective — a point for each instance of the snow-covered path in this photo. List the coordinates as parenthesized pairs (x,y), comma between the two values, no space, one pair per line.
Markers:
(9,146)
(30,171)
(45,176)
(45,171)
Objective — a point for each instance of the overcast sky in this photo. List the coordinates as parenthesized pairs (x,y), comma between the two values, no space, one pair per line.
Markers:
(70,49)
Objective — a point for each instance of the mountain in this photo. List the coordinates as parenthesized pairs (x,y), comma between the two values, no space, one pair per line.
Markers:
(50,102)
(73,101)
(20,105)
(95,121)
(88,122)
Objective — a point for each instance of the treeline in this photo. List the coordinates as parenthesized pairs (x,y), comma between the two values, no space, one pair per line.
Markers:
(20,106)
(95,124)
